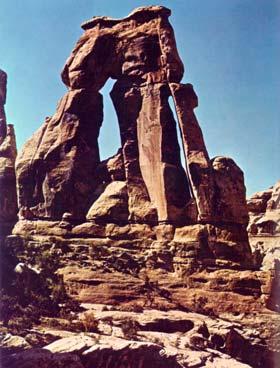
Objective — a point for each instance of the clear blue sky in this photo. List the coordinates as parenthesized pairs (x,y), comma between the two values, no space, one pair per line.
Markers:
(231,52)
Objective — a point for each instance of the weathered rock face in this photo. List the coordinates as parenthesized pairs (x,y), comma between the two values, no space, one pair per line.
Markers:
(197,159)
(264,210)
(55,170)
(151,153)
(230,191)
(62,157)
(8,152)
(264,231)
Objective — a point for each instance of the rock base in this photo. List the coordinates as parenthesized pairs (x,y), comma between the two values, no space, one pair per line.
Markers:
(202,268)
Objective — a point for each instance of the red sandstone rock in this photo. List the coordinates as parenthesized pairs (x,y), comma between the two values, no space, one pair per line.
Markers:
(55,170)
(196,155)
(140,52)
(264,208)
(151,152)
(230,192)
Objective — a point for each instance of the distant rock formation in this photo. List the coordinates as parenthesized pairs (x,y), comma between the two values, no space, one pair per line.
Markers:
(264,210)
(264,231)
(264,235)
(58,169)
(8,152)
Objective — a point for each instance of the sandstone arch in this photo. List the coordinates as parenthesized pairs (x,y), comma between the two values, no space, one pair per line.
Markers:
(57,171)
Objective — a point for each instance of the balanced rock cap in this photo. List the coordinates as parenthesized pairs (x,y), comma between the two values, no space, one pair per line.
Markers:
(139,14)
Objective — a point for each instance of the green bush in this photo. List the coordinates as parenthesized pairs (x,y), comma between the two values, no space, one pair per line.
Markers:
(27,296)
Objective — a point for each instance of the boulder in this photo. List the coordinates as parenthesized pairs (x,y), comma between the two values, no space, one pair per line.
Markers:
(112,205)
(230,192)
(41,358)
(113,352)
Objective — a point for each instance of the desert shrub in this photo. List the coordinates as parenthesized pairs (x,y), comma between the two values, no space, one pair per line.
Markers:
(16,317)
(69,308)
(89,322)
(64,324)
(158,341)
(131,307)
(58,291)
(29,295)
(130,327)
(200,305)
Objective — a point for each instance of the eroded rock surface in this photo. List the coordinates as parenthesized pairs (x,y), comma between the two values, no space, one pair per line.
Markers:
(264,226)
(264,209)
(264,235)
(165,339)
(55,170)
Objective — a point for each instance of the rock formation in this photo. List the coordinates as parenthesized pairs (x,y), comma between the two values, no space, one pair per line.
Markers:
(192,218)
(138,231)
(3,92)
(264,234)
(264,209)
(63,156)
(8,152)
(59,173)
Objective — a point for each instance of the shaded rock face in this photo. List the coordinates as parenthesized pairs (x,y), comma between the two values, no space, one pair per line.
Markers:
(140,52)
(8,152)
(3,92)
(230,191)
(55,170)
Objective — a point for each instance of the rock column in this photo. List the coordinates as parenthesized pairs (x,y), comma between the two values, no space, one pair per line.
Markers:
(8,152)
(197,160)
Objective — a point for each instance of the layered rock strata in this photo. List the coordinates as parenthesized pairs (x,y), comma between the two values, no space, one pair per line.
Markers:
(264,210)
(142,291)
(264,235)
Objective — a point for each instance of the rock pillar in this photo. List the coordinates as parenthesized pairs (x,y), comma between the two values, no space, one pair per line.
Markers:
(8,152)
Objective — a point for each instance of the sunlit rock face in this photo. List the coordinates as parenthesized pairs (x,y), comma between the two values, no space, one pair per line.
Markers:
(63,156)
(8,152)
(264,230)
(264,210)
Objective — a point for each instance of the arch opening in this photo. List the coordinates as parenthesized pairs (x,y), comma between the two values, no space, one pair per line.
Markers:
(109,138)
